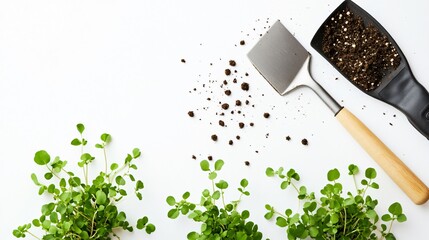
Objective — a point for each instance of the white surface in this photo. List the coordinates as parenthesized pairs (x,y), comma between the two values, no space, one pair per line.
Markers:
(115,66)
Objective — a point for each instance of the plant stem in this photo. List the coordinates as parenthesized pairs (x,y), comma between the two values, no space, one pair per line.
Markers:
(105,160)
(33,235)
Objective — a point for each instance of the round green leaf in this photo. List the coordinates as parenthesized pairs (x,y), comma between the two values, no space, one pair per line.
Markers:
(173,213)
(76,142)
(100,197)
(244,183)
(218,165)
(42,157)
(120,180)
(269,172)
(186,195)
(281,222)
(80,127)
(205,166)
(150,228)
(395,209)
(333,174)
(370,173)
(402,218)
(353,169)
(171,200)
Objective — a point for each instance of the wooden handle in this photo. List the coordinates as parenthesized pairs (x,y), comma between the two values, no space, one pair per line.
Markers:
(416,190)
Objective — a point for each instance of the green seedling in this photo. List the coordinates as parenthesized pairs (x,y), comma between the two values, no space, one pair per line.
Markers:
(81,209)
(219,220)
(335,216)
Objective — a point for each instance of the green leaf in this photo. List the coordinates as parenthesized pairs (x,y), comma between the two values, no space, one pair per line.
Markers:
(395,209)
(222,184)
(281,222)
(48,175)
(205,166)
(218,165)
(106,138)
(386,217)
(171,200)
(120,180)
(139,185)
(313,232)
(42,157)
(284,185)
(370,173)
(141,223)
(53,217)
(268,215)
(245,214)
(186,195)
(35,180)
(333,174)
(136,153)
(244,183)
(402,218)
(212,175)
(193,236)
(150,228)
(270,172)
(353,169)
(173,213)
(216,195)
(114,166)
(100,197)
(80,127)
(76,142)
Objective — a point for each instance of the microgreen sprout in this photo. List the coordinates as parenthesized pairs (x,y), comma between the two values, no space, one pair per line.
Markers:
(334,216)
(219,219)
(80,210)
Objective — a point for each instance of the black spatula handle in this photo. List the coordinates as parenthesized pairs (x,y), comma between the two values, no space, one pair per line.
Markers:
(409,96)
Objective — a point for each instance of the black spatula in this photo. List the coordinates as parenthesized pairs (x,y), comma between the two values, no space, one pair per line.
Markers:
(396,86)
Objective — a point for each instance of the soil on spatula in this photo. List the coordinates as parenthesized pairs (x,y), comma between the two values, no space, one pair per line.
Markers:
(362,53)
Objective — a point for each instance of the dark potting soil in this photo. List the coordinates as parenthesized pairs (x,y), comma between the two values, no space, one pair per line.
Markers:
(304,141)
(362,53)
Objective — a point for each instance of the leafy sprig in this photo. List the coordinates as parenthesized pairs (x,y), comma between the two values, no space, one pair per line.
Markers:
(334,216)
(80,209)
(218,220)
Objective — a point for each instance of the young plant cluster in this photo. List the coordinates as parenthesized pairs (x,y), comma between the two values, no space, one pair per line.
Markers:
(81,209)
(334,216)
(219,220)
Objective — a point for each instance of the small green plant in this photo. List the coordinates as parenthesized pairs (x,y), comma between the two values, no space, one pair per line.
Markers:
(333,216)
(81,209)
(218,222)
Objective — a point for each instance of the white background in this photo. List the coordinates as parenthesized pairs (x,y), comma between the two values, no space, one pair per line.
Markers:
(115,66)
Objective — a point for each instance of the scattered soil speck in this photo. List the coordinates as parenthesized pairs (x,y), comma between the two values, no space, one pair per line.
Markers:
(247,163)
(304,141)
(191,114)
(214,137)
(266,115)
(288,138)
(225,106)
(227,72)
(183,60)
(245,86)
(227,92)
(232,63)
